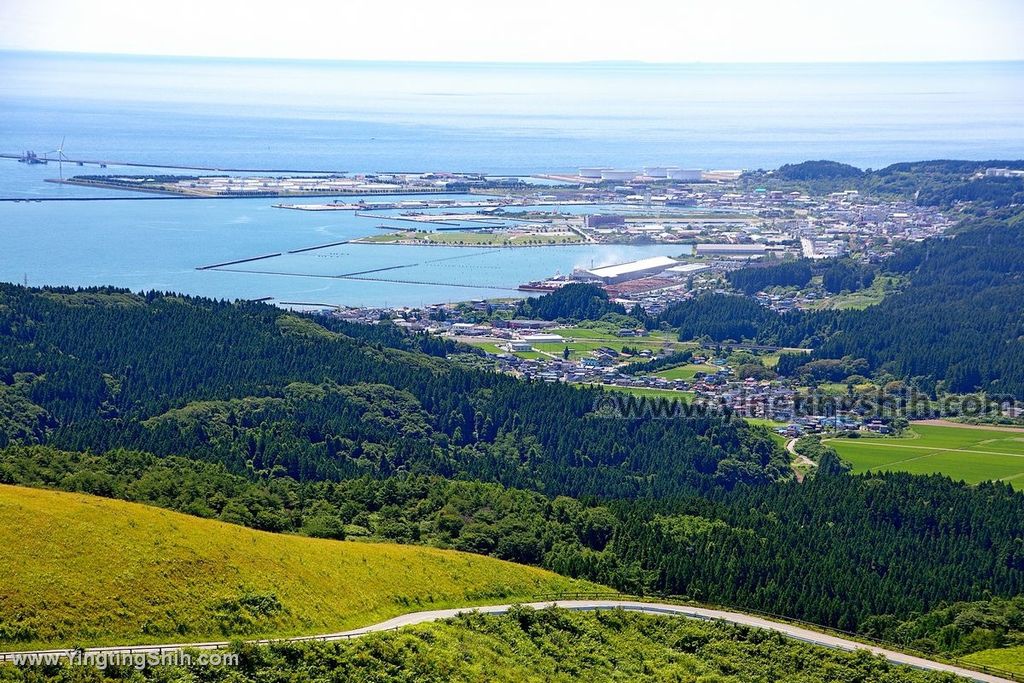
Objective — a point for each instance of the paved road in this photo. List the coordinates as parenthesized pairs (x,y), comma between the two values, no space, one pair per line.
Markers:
(801,459)
(789,630)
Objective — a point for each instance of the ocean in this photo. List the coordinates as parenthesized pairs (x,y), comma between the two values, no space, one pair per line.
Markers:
(494,118)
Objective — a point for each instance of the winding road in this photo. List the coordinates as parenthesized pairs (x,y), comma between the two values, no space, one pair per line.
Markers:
(799,459)
(664,609)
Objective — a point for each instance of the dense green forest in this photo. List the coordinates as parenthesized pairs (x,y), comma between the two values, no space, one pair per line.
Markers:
(263,390)
(818,170)
(793,273)
(941,182)
(956,326)
(526,645)
(835,550)
(838,275)
(958,629)
(572,302)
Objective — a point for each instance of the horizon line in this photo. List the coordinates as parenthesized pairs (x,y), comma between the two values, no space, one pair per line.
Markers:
(449,62)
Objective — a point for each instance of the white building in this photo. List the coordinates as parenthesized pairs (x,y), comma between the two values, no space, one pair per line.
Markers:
(818,248)
(688,268)
(730,249)
(611,174)
(542,338)
(685,174)
(633,270)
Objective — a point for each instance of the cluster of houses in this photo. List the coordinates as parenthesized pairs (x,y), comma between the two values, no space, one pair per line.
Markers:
(769,399)
(818,424)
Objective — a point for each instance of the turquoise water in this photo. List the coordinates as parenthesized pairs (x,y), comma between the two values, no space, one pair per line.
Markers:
(502,119)
(147,245)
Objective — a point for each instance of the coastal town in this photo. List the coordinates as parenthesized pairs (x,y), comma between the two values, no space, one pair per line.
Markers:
(721,221)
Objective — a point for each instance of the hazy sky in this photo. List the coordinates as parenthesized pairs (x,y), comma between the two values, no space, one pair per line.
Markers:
(526,30)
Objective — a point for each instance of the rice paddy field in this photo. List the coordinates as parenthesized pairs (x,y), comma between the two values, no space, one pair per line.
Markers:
(963,453)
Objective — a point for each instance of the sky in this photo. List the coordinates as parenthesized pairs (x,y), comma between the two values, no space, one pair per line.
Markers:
(526,30)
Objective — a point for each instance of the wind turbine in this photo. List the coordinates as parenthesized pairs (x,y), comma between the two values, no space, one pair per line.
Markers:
(61,157)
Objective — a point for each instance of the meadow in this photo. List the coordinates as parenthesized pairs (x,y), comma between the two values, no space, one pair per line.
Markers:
(85,570)
(686,371)
(968,454)
(1006,658)
(650,392)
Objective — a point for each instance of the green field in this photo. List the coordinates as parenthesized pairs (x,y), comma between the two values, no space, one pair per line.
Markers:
(492,347)
(870,296)
(973,455)
(84,570)
(772,425)
(577,349)
(655,339)
(685,396)
(837,388)
(1007,659)
(686,371)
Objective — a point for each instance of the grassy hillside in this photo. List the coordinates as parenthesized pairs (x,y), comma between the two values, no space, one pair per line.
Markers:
(84,570)
(1008,659)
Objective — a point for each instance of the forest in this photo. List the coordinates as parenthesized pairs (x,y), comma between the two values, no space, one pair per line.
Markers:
(572,302)
(941,182)
(263,390)
(806,551)
(793,273)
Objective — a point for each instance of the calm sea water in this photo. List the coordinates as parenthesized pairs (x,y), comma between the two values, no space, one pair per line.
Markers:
(158,245)
(493,118)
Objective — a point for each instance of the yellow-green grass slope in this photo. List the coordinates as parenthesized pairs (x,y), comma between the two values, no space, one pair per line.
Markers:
(83,570)
(1006,659)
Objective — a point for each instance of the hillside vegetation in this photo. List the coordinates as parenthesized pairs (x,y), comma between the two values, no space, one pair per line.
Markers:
(273,393)
(307,424)
(554,646)
(834,550)
(939,182)
(94,571)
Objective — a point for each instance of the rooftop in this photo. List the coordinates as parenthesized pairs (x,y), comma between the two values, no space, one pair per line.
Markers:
(633,266)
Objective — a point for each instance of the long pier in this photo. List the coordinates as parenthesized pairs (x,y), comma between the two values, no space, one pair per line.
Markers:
(336,307)
(362,278)
(101,199)
(360,275)
(374,270)
(427,283)
(318,246)
(139,164)
(237,261)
